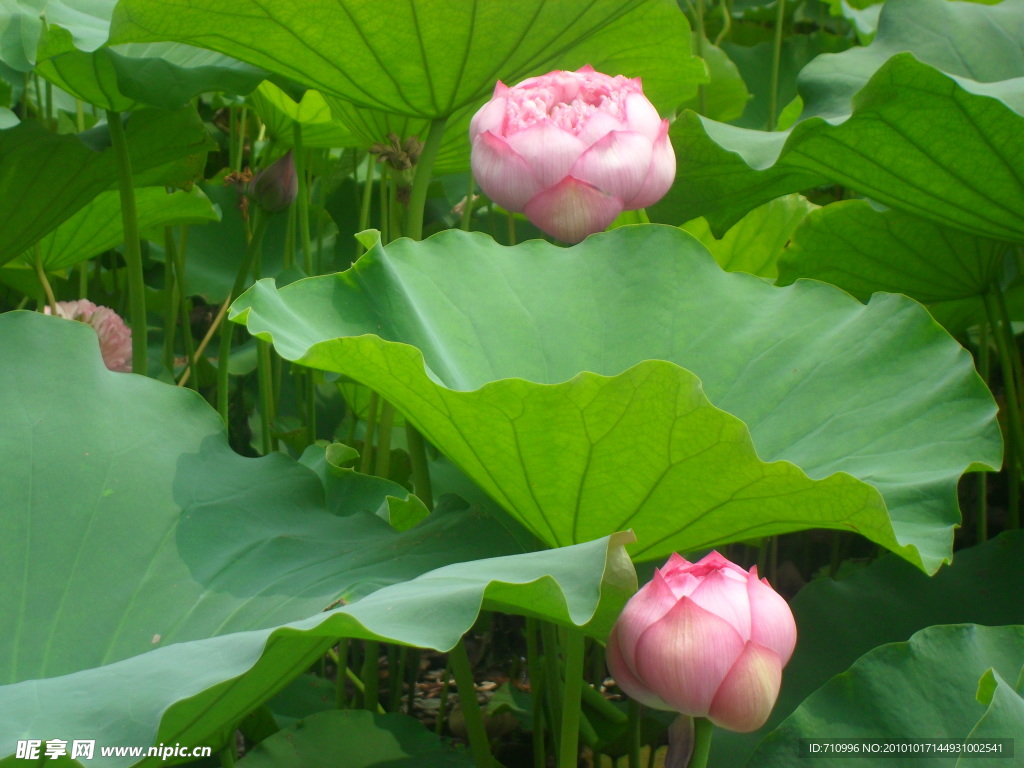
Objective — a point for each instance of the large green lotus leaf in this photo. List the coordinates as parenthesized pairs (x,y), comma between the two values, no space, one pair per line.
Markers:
(224,564)
(542,373)
(428,58)
(755,243)
(931,131)
(166,149)
(99,226)
(72,54)
(887,602)
(923,688)
(862,250)
(367,740)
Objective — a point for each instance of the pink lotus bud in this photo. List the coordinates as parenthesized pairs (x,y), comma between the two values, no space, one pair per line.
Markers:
(115,336)
(572,150)
(706,639)
(276,186)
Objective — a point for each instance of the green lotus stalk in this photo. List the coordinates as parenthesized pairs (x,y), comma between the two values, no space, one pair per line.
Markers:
(536,693)
(299,154)
(224,358)
(132,245)
(702,730)
(478,741)
(424,167)
(773,91)
(570,733)
(364,208)
(420,471)
(371,676)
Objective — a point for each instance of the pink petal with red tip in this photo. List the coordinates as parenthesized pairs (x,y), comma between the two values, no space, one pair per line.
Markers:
(724,594)
(618,163)
(549,150)
(502,173)
(685,655)
(572,209)
(772,623)
(624,677)
(660,176)
(748,692)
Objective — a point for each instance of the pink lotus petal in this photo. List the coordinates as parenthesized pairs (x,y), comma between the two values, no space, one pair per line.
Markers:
(684,656)
(653,601)
(502,173)
(548,150)
(490,117)
(599,125)
(572,209)
(748,692)
(624,677)
(772,623)
(641,116)
(616,164)
(724,593)
(661,175)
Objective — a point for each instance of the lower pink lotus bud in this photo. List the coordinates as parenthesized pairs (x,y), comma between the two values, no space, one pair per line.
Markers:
(115,337)
(705,639)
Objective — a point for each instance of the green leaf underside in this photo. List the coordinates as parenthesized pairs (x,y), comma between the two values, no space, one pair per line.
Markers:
(887,602)
(862,250)
(224,564)
(925,138)
(396,71)
(429,58)
(391,740)
(922,688)
(52,176)
(552,377)
(72,54)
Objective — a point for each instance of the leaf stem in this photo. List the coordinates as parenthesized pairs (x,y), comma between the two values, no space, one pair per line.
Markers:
(241,278)
(364,210)
(132,246)
(1015,445)
(420,471)
(299,154)
(424,167)
(536,673)
(43,281)
(478,741)
(571,700)
(984,369)
(702,731)
(773,91)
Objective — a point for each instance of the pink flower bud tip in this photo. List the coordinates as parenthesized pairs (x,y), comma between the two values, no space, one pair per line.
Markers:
(572,150)
(705,639)
(276,186)
(115,337)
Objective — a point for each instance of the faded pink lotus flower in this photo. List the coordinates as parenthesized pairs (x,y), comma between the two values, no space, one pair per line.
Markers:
(115,336)
(572,150)
(705,639)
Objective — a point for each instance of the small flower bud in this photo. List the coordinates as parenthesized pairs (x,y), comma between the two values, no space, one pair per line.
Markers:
(276,186)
